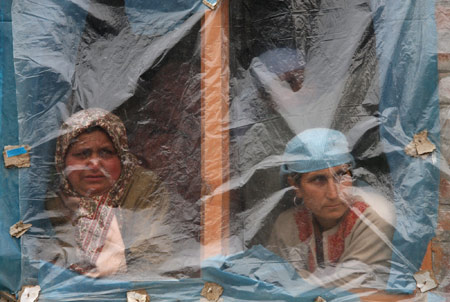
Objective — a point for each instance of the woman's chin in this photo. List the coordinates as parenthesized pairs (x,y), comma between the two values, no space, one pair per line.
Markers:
(94,191)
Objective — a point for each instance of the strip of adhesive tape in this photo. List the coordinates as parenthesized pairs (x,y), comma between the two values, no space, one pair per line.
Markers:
(16,152)
(211,3)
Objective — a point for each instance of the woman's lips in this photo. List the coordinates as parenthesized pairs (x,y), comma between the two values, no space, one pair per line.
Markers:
(334,205)
(94,177)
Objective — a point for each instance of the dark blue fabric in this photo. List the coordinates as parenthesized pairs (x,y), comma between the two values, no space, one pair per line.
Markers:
(407,51)
(10,267)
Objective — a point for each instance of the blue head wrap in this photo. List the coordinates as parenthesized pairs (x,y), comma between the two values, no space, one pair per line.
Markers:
(315,149)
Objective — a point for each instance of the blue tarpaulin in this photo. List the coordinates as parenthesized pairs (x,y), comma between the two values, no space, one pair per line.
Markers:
(141,59)
(259,275)
(58,284)
(10,266)
(408,104)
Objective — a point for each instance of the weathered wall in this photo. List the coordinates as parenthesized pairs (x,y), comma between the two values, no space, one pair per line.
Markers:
(441,243)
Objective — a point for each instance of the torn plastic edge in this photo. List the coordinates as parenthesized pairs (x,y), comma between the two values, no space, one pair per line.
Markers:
(425,281)
(29,293)
(212,291)
(212,4)
(7,297)
(18,229)
(140,295)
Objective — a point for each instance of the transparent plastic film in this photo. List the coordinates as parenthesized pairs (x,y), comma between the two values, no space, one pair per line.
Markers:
(233,150)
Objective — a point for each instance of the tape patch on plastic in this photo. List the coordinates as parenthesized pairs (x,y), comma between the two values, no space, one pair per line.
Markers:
(29,293)
(138,296)
(420,146)
(17,156)
(212,292)
(18,229)
(425,281)
(16,152)
(212,4)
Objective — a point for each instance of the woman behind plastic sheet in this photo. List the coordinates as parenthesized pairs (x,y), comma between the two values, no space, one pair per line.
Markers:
(109,214)
(337,234)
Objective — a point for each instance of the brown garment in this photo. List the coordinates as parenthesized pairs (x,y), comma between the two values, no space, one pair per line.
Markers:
(95,213)
(142,215)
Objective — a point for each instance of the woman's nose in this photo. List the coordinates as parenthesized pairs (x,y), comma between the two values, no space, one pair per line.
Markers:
(94,163)
(332,189)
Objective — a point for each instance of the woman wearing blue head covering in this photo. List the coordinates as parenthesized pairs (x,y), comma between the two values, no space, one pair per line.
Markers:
(337,234)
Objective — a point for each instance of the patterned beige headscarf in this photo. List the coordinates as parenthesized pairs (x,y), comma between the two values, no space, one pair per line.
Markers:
(94,215)
(82,121)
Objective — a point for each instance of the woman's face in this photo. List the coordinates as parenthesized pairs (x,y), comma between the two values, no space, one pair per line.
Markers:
(325,193)
(92,165)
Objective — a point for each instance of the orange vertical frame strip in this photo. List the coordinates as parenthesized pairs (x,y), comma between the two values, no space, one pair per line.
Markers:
(215,130)
(427,263)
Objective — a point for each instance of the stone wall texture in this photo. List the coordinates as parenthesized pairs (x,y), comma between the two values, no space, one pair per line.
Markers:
(440,245)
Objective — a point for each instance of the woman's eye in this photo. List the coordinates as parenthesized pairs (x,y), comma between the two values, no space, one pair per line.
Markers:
(107,153)
(82,154)
(319,180)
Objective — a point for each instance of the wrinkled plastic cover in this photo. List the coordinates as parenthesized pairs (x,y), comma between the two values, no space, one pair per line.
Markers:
(367,68)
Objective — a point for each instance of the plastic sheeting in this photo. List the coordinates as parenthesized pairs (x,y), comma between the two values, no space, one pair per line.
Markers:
(367,68)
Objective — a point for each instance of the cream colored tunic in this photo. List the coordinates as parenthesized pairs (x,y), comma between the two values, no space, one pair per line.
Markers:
(356,252)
